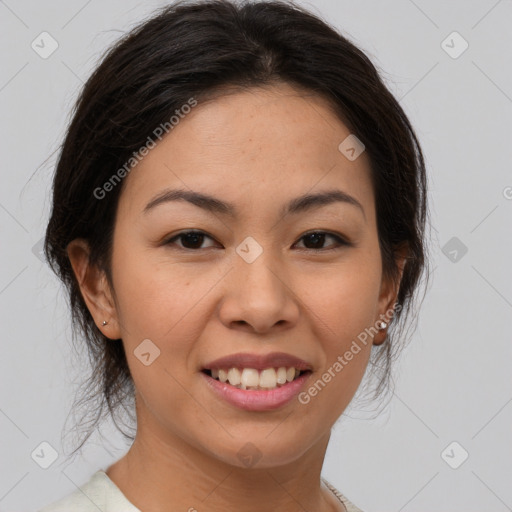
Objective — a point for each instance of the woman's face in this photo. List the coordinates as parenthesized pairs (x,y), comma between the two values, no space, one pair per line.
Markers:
(253,282)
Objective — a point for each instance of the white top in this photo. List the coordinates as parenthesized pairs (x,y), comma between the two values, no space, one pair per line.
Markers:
(102,494)
(99,494)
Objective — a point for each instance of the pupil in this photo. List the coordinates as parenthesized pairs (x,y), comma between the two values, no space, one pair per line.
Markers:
(194,237)
(316,237)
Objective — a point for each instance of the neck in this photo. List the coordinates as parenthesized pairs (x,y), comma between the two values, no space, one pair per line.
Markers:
(161,472)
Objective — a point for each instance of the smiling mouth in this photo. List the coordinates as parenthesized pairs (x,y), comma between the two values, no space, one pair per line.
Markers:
(252,379)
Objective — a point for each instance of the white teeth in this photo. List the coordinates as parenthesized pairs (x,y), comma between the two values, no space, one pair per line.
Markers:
(268,378)
(234,376)
(250,378)
(281,375)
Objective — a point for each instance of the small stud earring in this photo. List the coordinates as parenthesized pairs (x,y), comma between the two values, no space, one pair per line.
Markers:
(381,324)
(105,322)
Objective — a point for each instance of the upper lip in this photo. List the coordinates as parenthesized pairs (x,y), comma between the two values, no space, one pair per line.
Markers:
(258,362)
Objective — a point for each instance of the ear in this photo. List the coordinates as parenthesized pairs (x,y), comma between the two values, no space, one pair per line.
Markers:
(388,293)
(94,288)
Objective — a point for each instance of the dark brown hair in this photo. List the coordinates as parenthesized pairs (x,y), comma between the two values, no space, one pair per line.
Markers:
(195,49)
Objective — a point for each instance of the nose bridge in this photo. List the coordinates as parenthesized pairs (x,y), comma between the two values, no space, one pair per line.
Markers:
(256,293)
(257,267)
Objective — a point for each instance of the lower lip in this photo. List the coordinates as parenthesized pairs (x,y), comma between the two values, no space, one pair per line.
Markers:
(253,400)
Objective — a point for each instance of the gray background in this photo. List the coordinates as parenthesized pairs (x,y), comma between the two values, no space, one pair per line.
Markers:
(453,382)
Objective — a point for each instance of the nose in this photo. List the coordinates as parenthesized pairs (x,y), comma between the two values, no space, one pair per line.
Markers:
(258,296)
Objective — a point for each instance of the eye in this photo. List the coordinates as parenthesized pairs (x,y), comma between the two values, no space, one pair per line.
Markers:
(317,238)
(191,239)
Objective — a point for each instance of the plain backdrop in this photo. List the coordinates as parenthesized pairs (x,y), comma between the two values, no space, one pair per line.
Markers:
(453,396)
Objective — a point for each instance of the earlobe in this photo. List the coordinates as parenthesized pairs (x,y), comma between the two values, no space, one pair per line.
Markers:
(387,301)
(94,288)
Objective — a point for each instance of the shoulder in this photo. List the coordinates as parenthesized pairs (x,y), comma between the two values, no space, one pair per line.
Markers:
(346,502)
(99,493)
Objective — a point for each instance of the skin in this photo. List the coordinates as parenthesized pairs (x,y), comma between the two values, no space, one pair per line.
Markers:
(257,149)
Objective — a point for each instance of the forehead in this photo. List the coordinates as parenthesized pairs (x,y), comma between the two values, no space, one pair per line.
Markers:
(266,140)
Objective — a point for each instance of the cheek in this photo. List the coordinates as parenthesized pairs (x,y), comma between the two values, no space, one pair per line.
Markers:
(344,308)
(345,298)
(159,304)
(165,303)
(343,313)
(153,297)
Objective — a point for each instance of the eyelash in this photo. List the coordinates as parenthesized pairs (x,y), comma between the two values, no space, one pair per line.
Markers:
(341,242)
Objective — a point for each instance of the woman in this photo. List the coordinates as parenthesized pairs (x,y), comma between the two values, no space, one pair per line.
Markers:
(238,215)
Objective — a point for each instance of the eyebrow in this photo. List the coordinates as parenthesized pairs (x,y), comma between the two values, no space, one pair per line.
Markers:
(211,204)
